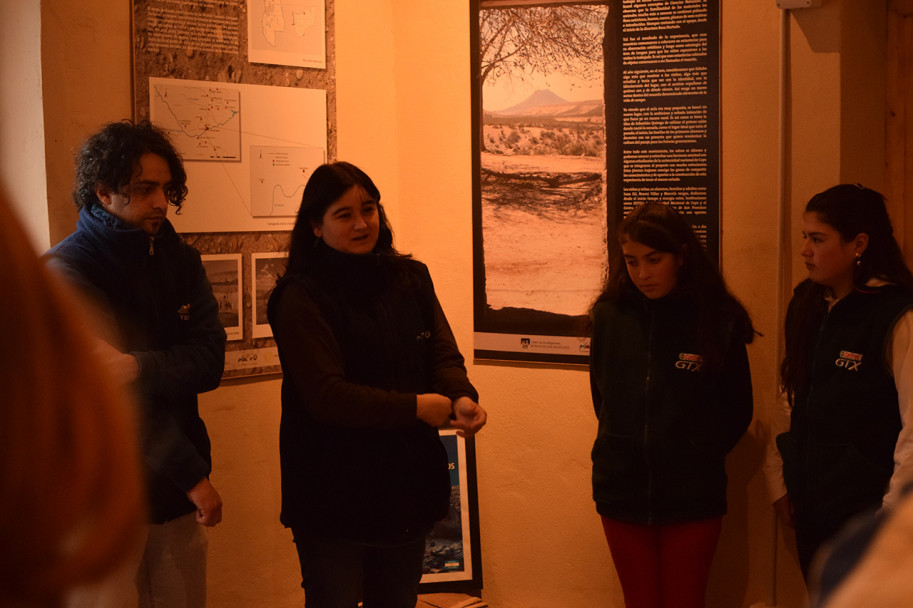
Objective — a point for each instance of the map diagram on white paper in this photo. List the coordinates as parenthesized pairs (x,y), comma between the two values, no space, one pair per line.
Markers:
(278,175)
(204,122)
(287,32)
(283,139)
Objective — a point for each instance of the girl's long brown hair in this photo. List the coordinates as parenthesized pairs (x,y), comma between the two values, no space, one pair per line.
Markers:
(851,209)
(662,228)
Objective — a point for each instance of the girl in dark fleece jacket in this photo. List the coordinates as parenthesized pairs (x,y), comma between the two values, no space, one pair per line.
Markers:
(672,390)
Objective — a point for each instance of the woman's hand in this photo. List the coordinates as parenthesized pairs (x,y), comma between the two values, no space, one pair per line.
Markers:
(469,417)
(433,409)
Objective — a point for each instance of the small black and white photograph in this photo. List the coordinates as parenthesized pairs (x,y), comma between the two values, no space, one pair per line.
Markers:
(224,273)
(266,268)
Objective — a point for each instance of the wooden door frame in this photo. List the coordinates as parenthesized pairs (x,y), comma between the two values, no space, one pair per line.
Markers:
(899,121)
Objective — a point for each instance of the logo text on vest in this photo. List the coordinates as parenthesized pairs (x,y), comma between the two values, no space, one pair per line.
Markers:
(184,312)
(689,361)
(849,360)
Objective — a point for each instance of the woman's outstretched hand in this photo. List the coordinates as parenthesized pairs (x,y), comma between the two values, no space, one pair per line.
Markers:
(433,409)
(469,417)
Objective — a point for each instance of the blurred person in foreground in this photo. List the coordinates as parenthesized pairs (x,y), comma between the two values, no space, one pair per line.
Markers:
(868,563)
(72,506)
(166,341)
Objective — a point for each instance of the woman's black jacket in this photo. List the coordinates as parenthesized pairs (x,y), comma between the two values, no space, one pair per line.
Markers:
(666,421)
(359,337)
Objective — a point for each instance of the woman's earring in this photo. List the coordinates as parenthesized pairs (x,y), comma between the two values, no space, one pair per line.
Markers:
(858,259)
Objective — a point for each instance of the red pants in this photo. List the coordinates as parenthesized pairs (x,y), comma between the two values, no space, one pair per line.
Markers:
(663,566)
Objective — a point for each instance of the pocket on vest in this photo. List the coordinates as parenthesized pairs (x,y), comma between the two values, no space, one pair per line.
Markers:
(615,464)
(843,482)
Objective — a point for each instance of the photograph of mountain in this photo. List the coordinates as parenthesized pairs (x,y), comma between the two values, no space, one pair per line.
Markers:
(543,204)
(542,169)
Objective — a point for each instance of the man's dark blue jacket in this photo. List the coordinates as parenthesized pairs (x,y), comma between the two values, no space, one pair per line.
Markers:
(153,294)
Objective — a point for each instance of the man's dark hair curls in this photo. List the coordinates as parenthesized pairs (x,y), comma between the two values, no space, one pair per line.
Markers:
(111,156)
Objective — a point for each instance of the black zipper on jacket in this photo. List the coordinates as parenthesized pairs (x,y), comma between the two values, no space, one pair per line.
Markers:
(646,434)
(808,399)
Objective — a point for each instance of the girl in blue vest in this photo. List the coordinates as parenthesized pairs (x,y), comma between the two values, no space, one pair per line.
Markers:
(847,370)
(672,391)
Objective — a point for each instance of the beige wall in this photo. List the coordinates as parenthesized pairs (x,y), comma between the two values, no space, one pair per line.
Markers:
(85,56)
(404,115)
(22,175)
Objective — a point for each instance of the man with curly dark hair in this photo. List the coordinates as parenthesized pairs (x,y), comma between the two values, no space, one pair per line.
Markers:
(162,337)
(110,157)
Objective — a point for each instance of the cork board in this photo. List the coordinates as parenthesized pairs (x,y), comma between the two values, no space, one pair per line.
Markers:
(275,114)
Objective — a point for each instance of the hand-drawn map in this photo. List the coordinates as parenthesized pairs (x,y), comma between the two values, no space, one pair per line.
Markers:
(278,177)
(204,122)
(287,32)
(254,175)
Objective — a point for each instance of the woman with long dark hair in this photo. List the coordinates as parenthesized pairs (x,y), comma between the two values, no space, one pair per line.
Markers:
(371,369)
(672,392)
(847,370)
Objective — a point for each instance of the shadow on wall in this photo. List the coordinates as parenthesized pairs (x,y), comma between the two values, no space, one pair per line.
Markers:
(731,583)
(729,576)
